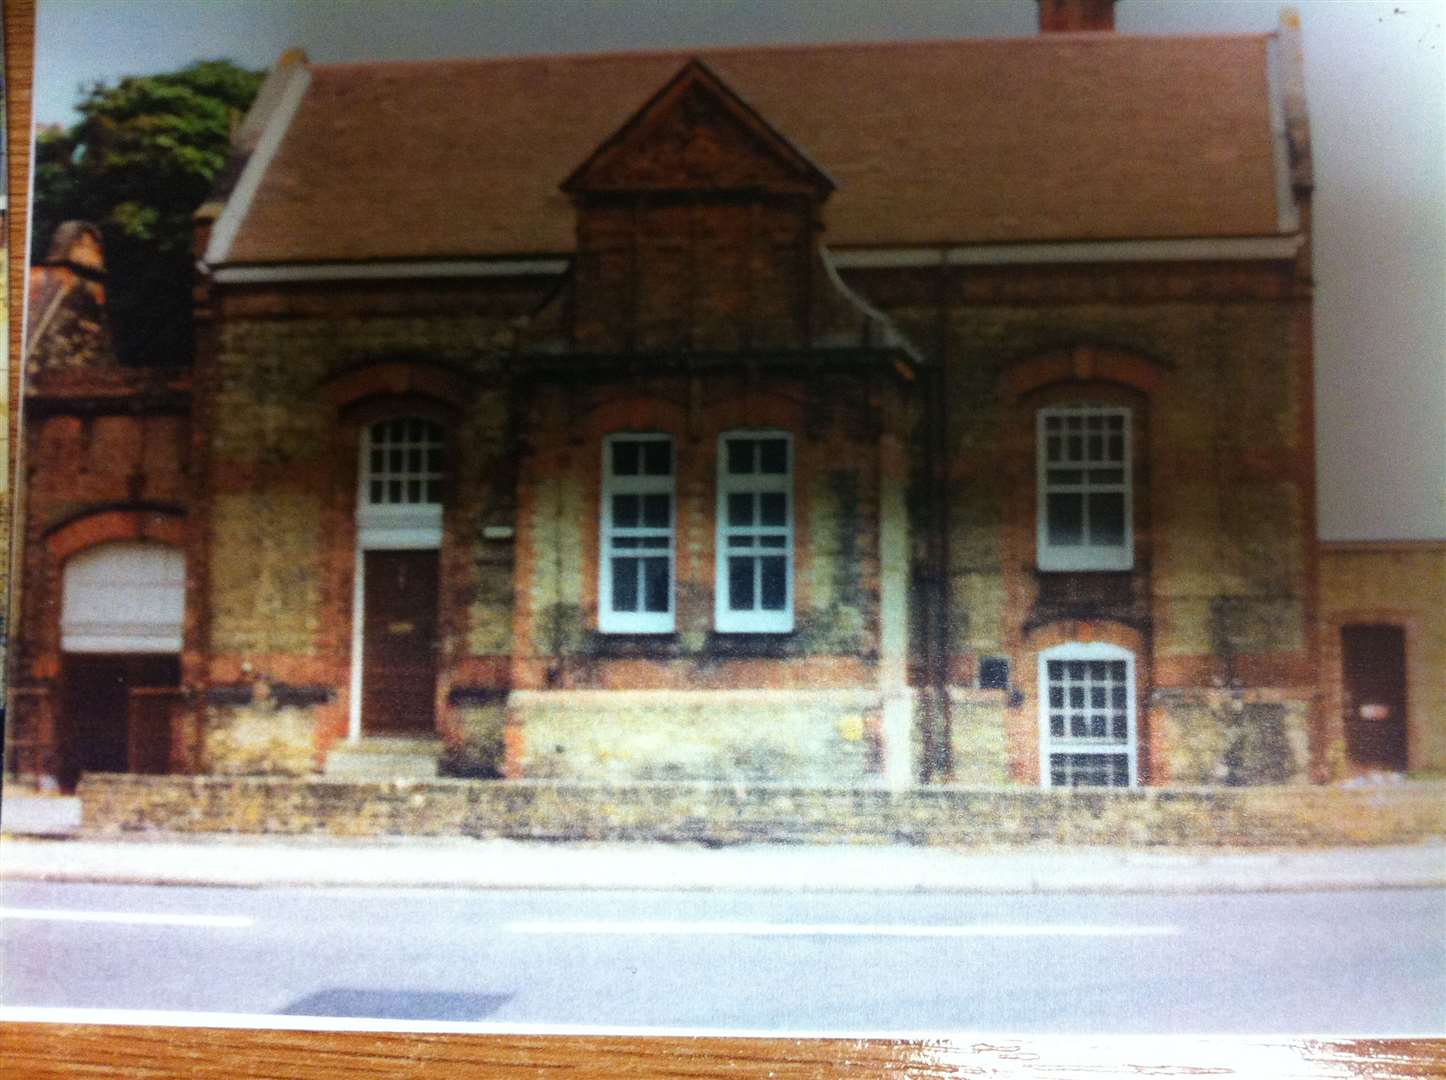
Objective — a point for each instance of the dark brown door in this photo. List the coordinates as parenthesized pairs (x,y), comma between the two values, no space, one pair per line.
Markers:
(399,642)
(1374,662)
(116,714)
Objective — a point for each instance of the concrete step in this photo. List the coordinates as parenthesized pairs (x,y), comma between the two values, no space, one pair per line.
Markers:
(384,758)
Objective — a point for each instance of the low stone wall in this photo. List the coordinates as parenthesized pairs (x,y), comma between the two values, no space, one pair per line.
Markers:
(728,814)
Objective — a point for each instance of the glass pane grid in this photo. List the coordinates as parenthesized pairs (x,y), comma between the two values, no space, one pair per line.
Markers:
(638,518)
(1086,477)
(404,463)
(1087,702)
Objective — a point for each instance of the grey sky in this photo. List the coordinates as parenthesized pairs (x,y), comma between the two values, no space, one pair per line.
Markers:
(1376,78)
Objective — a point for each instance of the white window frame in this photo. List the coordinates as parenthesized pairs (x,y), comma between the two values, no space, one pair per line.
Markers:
(400,525)
(1049,744)
(1084,556)
(636,622)
(755,620)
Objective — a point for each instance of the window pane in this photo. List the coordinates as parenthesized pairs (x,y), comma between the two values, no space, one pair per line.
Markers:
(658,457)
(774,582)
(740,509)
(772,508)
(740,583)
(1056,669)
(657,511)
(1076,669)
(625,584)
(1107,476)
(773,456)
(740,456)
(740,541)
(625,511)
(414,460)
(394,491)
(1121,777)
(378,461)
(1117,697)
(773,541)
(377,491)
(1077,725)
(625,458)
(1117,670)
(627,543)
(414,491)
(1118,727)
(395,460)
(1052,451)
(434,459)
(1066,519)
(1117,448)
(1056,727)
(655,585)
(1097,726)
(1076,697)
(1107,519)
(434,491)
(1065,476)
(1056,697)
(1075,445)
(653,541)
(1097,697)
(1098,669)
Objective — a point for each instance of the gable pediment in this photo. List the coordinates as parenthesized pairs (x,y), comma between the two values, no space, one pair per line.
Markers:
(696,134)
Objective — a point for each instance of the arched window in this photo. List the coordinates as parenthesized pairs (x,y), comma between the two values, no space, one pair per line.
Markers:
(1087,716)
(1085,488)
(399,497)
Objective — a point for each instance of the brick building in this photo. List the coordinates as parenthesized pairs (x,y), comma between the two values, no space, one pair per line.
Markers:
(835,414)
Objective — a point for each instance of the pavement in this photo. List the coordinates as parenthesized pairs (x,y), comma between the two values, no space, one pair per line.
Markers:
(42,843)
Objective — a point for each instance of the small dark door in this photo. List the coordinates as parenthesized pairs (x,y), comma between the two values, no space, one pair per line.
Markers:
(1374,663)
(399,643)
(116,714)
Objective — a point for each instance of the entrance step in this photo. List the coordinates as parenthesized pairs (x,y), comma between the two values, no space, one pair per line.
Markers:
(382,758)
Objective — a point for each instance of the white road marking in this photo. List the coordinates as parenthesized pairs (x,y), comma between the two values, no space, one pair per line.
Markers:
(771,929)
(134,918)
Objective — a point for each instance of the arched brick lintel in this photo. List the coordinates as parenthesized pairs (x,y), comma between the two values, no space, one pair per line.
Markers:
(112,526)
(1082,363)
(397,380)
(1086,631)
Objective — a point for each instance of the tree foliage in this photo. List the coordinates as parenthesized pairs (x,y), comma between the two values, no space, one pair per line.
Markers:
(137,164)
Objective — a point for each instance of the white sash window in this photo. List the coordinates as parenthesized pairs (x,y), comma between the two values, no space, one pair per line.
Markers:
(754,587)
(1085,496)
(635,579)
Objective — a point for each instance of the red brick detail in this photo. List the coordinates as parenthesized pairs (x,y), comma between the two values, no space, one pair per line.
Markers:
(111,526)
(1083,363)
(393,380)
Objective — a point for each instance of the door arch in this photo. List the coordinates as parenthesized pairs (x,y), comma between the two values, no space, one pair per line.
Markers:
(121,612)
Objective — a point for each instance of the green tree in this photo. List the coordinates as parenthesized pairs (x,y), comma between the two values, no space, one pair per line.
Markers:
(141,159)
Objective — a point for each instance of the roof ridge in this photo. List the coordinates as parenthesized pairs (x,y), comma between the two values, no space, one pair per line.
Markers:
(683,53)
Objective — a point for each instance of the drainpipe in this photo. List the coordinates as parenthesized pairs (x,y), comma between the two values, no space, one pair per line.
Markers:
(938,745)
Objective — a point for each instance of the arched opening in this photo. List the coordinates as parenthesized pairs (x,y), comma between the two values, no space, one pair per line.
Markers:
(122,605)
(399,533)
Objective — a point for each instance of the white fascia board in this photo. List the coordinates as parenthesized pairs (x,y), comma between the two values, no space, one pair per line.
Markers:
(1232,248)
(223,234)
(388,271)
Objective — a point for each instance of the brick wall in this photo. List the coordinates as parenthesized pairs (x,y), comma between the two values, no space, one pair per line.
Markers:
(740,813)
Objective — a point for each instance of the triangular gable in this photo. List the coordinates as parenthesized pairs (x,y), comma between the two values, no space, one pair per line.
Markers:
(696,133)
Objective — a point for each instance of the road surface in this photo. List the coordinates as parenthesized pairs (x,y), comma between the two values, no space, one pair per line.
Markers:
(1368,962)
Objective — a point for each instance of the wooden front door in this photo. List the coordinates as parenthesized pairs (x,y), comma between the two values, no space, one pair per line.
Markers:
(116,712)
(1374,661)
(399,643)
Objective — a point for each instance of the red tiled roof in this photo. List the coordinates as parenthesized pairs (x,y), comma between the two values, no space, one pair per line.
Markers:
(1060,137)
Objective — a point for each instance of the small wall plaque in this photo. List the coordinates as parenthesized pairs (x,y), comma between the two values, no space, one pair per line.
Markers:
(497,532)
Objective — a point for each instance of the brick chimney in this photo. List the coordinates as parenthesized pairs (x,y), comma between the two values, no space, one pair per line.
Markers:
(1068,16)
